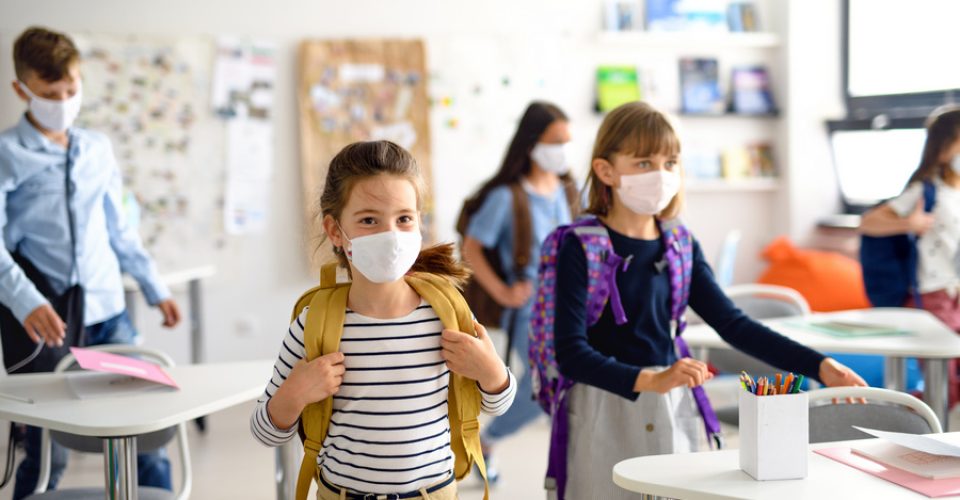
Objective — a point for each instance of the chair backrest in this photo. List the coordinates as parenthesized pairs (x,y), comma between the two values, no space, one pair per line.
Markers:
(145,442)
(759,302)
(727,258)
(884,410)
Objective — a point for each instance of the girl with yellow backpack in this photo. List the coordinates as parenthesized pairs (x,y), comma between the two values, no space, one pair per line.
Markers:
(383,376)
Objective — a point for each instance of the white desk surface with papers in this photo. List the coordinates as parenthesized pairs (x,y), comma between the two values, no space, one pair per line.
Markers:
(927,339)
(716,475)
(204,389)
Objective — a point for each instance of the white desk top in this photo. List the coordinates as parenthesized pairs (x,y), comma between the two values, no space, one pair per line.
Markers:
(204,389)
(716,475)
(929,339)
(174,278)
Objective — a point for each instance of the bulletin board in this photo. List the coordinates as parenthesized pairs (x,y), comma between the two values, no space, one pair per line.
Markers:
(357,90)
(150,96)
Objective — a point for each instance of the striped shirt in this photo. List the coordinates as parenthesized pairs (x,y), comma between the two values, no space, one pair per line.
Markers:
(389,431)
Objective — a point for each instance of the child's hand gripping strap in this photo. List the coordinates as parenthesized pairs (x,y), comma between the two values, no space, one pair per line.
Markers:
(321,335)
(464,394)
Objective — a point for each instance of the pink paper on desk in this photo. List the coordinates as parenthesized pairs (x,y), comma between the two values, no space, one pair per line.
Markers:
(933,488)
(89,359)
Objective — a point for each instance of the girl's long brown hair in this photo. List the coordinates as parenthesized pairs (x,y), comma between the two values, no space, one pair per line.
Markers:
(943,129)
(634,128)
(363,160)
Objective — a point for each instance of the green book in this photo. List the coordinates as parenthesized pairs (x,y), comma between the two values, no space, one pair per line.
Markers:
(850,329)
(616,85)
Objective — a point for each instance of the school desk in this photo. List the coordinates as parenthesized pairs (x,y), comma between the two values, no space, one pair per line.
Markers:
(204,389)
(191,277)
(715,475)
(929,340)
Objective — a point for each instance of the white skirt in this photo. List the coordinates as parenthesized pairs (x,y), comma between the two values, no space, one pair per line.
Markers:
(606,428)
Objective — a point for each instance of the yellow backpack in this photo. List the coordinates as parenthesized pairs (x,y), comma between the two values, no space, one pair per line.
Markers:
(321,335)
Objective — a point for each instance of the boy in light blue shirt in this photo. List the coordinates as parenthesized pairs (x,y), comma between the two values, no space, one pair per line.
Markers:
(70,238)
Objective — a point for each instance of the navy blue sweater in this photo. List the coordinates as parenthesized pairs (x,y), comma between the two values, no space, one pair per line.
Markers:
(610,356)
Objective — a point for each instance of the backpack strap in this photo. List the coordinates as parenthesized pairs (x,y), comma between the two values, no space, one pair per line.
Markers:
(464,394)
(602,267)
(929,200)
(522,228)
(678,245)
(321,335)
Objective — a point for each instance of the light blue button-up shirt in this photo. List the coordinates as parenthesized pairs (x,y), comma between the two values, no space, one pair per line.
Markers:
(33,218)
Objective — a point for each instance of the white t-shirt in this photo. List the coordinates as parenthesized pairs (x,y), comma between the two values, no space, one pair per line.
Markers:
(937,263)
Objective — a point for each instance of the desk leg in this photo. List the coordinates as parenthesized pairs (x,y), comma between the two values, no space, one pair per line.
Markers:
(196,334)
(124,462)
(895,373)
(935,388)
(289,456)
(131,299)
(196,323)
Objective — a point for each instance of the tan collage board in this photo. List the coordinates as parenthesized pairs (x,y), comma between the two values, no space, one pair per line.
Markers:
(357,90)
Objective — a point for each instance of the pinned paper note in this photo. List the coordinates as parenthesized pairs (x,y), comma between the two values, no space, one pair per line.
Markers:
(98,361)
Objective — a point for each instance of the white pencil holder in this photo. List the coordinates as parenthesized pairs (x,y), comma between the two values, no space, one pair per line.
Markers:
(774,435)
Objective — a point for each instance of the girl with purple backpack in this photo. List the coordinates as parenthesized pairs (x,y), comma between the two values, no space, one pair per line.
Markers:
(633,395)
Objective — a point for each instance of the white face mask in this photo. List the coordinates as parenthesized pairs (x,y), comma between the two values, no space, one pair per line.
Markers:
(648,193)
(551,157)
(51,114)
(955,164)
(384,257)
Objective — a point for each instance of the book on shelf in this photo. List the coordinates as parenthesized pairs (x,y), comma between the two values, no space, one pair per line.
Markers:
(700,86)
(622,15)
(742,17)
(750,91)
(761,160)
(748,161)
(616,85)
(687,15)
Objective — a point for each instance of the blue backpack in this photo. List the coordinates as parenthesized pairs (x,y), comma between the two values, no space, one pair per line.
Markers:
(890,262)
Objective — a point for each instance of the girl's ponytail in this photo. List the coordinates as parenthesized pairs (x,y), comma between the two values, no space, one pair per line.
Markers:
(440,260)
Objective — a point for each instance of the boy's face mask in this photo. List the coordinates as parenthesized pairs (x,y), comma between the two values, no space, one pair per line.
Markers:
(52,114)
(384,257)
(650,192)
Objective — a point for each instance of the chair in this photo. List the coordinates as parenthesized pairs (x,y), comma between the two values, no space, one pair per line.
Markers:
(89,444)
(727,258)
(759,302)
(885,410)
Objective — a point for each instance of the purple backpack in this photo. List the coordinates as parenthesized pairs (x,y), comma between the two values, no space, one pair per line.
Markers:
(549,386)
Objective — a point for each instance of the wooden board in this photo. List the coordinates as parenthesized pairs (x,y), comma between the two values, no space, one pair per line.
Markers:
(357,90)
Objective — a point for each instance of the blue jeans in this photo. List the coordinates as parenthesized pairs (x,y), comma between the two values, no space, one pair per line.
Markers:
(524,408)
(153,467)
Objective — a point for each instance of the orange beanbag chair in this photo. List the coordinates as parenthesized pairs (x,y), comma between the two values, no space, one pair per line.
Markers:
(829,281)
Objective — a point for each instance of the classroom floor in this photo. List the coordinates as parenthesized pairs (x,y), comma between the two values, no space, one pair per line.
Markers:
(229,464)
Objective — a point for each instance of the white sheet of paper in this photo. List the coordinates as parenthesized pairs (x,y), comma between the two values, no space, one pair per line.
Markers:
(89,385)
(935,445)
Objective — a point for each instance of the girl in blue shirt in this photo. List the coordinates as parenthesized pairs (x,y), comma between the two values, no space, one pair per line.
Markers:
(537,161)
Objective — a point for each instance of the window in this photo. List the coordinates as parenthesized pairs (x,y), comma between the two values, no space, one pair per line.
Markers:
(898,56)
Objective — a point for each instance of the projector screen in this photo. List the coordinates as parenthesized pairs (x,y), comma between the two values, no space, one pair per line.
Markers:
(901,47)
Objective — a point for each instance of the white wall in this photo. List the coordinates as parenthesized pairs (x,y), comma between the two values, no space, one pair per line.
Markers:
(248,302)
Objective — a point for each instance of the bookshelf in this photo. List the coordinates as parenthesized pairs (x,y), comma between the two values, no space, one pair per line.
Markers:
(688,40)
(745,185)
(755,206)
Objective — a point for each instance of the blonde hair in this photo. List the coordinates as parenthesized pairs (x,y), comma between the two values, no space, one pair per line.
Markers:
(637,129)
(364,160)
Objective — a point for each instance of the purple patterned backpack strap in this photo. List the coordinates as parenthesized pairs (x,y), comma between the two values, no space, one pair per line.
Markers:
(603,264)
(678,244)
